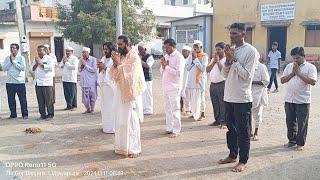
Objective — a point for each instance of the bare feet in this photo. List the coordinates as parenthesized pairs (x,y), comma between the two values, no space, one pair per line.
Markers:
(133,155)
(227,160)
(239,167)
(168,132)
(255,138)
(173,135)
(299,148)
(86,112)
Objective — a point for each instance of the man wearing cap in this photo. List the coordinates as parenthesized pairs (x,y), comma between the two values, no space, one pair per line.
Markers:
(55,62)
(147,62)
(197,81)
(185,102)
(43,67)
(69,64)
(107,87)
(88,79)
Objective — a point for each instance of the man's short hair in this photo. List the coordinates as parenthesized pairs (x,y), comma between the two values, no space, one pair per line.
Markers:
(110,46)
(170,42)
(275,43)
(239,26)
(41,47)
(220,45)
(297,51)
(15,44)
(125,39)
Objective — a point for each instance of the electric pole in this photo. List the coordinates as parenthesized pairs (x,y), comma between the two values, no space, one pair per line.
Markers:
(119,18)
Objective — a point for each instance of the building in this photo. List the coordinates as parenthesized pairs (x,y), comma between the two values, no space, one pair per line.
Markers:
(290,23)
(186,30)
(39,17)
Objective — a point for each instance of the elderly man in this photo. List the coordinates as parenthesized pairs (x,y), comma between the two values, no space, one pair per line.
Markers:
(185,102)
(55,62)
(44,67)
(172,67)
(197,81)
(107,87)
(130,84)
(147,62)
(15,66)
(88,80)
(69,64)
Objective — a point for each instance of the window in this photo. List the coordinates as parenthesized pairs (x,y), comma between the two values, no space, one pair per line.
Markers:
(312,36)
(181,36)
(207,1)
(1,43)
(185,2)
(11,5)
(173,2)
(248,37)
(186,36)
(199,1)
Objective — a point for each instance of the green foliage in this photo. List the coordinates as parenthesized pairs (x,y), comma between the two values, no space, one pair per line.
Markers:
(93,21)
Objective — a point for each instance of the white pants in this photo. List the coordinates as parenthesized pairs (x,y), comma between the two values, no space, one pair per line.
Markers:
(147,99)
(195,96)
(257,116)
(107,109)
(186,104)
(172,109)
(203,101)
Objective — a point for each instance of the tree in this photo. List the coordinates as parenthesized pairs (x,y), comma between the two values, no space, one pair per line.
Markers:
(93,21)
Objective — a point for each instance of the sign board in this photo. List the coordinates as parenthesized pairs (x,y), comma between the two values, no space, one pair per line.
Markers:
(278,11)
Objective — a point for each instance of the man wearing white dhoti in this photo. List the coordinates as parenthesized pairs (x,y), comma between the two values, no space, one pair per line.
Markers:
(107,87)
(197,81)
(130,84)
(172,67)
(185,102)
(260,96)
(147,62)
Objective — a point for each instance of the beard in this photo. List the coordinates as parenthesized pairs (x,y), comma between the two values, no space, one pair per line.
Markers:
(108,55)
(123,51)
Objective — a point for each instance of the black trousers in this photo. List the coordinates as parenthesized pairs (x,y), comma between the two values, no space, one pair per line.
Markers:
(238,121)
(273,78)
(297,116)
(54,90)
(12,90)
(45,100)
(70,94)
(216,95)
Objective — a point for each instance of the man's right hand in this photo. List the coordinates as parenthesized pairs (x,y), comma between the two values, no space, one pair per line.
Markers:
(229,54)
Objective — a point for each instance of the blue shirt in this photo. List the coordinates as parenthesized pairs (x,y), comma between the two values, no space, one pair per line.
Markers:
(15,69)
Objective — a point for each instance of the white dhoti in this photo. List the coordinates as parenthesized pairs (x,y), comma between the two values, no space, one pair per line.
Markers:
(257,116)
(107,108)
(173,116)
(194,94)
(203,101)
(127,117)
(147,99)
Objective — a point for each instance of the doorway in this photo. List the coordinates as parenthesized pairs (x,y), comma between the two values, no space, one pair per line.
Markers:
(58,48)
(278,34)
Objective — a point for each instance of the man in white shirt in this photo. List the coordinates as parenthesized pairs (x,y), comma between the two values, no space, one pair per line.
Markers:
(69,64)
(185,102)
(217,84)
(55,62)
(107,86)
(259,95)
(239,69)
(43,67)
(147,62)
(274,57)
(299,75)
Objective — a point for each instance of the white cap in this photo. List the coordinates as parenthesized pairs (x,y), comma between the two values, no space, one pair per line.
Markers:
(69,48)
(46,45)
(143,45)
(198,42)
(86,49)
(188,48)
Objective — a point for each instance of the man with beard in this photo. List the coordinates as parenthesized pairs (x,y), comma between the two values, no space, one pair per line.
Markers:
(107,87)
(147,62)
(239,69)
(88,80)
(172,70)
(130,84)
(69,64)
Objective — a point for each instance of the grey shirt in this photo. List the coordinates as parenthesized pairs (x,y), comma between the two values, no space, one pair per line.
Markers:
(239,75)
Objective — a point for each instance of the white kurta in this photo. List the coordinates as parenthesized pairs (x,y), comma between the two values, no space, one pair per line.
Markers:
(186,101)
(259,93)
(127,117)
(147,96)
(107,87)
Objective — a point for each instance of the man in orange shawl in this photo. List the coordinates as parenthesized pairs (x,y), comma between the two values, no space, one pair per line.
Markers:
(195,90)
(130,84)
